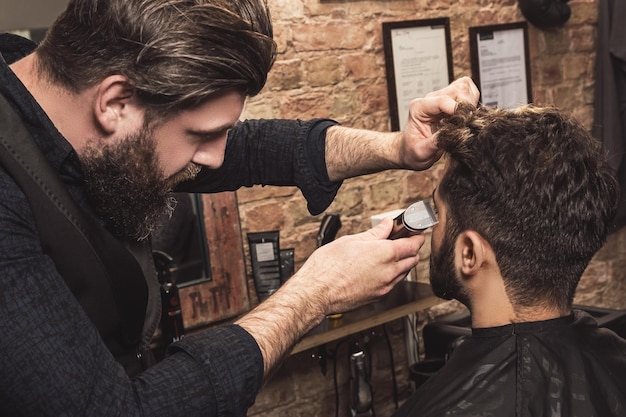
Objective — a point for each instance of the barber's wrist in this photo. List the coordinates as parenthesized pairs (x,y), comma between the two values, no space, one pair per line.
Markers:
(307,297)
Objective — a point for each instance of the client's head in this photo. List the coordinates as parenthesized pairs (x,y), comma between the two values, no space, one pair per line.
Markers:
(531,184)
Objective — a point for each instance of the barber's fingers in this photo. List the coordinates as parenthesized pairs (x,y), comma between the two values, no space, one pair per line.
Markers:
(466,91)
(403,248)
(441,102)
(380,231)
(406,252)
(408,247)
(460,90)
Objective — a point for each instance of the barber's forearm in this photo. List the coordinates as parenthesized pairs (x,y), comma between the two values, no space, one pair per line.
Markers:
(279,322)
(354,152)
(351,152)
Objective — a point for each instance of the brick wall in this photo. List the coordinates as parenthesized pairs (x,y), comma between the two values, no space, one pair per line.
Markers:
(331,64)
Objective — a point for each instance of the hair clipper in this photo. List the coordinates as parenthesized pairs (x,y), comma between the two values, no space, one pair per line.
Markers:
(415,219)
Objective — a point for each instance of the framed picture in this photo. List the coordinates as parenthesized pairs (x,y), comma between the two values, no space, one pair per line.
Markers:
(500,64)
(224,294)
(418,60)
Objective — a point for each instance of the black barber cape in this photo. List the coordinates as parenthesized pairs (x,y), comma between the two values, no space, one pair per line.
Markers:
(563,367)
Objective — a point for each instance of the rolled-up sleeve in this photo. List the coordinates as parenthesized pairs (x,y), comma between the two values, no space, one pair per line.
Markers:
(274,152)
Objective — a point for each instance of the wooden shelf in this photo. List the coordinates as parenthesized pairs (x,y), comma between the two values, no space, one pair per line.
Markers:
(406,298)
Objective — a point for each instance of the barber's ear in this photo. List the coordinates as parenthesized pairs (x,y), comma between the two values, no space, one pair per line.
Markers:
(472,251)
(115,105)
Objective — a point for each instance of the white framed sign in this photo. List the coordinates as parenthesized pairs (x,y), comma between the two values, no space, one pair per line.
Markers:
(500,64)
(418,60)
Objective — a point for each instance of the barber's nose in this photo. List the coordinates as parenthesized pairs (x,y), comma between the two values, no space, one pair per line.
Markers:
(211,160)
(210,154)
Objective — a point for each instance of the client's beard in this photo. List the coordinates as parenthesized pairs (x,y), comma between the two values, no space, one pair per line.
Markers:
(443,277)
(127,186)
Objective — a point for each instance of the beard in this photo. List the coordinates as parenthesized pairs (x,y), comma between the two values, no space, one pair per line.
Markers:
(443,277)
(127,186)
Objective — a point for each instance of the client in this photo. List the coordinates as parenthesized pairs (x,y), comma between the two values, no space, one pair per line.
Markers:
(525,201)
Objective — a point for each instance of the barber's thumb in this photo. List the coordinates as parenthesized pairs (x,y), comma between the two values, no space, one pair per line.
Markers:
(382,229)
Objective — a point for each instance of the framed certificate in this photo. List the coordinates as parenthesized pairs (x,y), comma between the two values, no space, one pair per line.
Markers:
(500,64)
(418,60)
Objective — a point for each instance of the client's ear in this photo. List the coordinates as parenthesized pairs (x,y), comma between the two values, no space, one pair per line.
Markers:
(472,252)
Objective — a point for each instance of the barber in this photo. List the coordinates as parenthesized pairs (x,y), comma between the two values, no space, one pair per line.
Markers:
(128,101)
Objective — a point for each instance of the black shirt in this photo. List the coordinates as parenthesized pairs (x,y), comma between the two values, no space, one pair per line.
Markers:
(52,359)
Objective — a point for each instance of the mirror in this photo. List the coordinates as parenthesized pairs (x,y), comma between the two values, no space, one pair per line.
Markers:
(182,240)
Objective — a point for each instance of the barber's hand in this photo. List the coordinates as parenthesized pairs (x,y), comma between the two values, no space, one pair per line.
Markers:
(419,144)
(340,276)
(357,269)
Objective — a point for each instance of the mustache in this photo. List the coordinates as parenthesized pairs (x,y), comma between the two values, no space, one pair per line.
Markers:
(186,174)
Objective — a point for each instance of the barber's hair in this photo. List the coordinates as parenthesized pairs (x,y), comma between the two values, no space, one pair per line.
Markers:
(177,53)
(537,187)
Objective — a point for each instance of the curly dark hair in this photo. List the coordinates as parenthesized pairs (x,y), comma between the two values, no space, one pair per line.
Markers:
(535,184)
